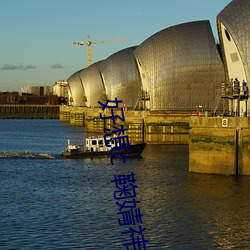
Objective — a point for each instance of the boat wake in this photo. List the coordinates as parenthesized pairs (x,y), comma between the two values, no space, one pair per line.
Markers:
(26,154)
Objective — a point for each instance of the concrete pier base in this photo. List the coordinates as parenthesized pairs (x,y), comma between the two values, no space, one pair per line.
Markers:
(216,145)
(219,145)
(154,128)
(64,114)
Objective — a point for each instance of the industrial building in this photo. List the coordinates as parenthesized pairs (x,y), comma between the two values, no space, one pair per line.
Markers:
(40,95)
(178,69)
(60,89)
(37,90)
(9,97)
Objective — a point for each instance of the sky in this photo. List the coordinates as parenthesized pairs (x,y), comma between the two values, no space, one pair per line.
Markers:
(36,35)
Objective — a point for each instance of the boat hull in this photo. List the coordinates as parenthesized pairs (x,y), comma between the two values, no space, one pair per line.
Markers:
(134,150)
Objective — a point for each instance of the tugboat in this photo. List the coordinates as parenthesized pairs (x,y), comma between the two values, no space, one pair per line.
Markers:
(101,147)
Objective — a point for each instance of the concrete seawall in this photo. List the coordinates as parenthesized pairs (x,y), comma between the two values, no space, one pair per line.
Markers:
(219,145)
(142,125)
(26,111)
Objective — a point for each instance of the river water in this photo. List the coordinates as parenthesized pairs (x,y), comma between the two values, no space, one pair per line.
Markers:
(47,202)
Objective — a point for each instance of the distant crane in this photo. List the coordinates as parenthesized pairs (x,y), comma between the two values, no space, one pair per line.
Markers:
(89,43)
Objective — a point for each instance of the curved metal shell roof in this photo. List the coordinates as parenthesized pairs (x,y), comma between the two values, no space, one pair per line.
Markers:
(181,67)
(236,18)
(121,78)
(76,90)
(93,85)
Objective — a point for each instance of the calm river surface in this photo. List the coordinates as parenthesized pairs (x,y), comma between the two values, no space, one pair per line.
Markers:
(68,204)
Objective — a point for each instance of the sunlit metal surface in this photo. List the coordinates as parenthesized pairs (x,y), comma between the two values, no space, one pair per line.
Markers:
(236,18)
(121,77)
(234,32)
(76,91)
(93,85)
(181,67)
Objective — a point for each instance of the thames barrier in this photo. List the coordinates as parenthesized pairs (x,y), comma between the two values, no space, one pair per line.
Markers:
(172,76)
(145,126)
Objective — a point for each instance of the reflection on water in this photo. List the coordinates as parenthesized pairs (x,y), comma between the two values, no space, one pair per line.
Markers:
(69,204)
(223,202)
(188,210)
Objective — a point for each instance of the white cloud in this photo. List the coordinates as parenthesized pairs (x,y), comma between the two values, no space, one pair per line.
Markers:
(57,66)
(21,66)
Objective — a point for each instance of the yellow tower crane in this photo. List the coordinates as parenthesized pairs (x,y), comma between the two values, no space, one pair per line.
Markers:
(89,43)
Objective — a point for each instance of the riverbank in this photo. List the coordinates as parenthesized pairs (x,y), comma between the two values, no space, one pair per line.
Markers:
(25,111)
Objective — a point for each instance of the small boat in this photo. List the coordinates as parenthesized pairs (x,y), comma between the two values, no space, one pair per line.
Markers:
(103,146)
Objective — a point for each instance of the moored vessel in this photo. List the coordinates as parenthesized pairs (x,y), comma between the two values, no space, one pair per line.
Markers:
(102,146)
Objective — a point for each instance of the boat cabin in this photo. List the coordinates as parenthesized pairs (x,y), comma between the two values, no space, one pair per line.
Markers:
(95,144)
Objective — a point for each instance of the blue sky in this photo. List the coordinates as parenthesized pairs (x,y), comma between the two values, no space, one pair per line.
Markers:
(36,35)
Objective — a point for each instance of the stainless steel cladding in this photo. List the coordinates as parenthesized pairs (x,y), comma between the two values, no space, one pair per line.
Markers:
(75,90)
(180,67)
(93,85)
(121,77)
(234,30)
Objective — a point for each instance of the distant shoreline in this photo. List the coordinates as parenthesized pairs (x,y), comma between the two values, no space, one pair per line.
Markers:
(24,111)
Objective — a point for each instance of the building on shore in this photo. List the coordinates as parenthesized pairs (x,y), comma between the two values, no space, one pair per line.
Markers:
(37,90)
(39,95)
(9,97)
(50,95)
(60,89)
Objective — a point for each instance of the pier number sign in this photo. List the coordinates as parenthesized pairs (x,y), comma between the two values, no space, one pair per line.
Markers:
(224,123)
